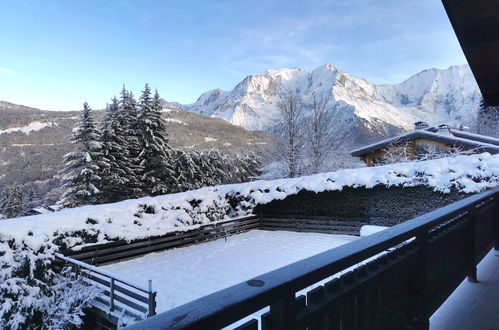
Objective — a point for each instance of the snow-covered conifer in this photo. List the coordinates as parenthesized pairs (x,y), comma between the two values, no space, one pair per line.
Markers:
(186,172)
(12,205)
(30,199)
(112,176)
(127,119)
(81,179)
(155,164)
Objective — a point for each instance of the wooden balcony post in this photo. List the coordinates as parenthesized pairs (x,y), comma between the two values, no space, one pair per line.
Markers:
(471,244)
(283,313)
(422,314)
(111,295)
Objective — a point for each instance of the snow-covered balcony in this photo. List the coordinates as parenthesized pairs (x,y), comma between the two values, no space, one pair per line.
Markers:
(243,258)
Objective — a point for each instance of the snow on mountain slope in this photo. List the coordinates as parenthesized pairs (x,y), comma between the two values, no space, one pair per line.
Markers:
(364,111)
(34,126)
(436,96)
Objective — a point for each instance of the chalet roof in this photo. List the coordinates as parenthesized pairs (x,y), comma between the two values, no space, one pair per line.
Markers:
(458,139)
(41,210)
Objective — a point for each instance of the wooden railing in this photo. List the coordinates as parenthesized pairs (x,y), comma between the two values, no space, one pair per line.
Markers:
(315,223)
(401,276)
(117,294)
(100,254)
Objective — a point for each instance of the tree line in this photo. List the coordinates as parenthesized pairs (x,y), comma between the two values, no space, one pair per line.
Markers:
(129,156)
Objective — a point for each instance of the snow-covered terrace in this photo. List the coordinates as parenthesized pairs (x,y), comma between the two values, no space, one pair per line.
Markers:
(185,274)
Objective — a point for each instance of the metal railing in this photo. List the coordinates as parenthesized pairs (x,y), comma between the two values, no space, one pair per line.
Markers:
(118,294)
(427,258)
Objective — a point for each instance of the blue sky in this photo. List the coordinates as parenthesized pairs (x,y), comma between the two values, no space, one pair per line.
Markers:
(57,54)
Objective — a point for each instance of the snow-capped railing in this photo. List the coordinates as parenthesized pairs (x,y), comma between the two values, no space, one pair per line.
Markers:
(402,275)
(109,252)
(118,293)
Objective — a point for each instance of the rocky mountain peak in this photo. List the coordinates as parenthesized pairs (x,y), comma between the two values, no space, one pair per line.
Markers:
(364,111)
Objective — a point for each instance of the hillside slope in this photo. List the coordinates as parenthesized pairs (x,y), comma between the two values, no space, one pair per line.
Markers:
(32,141)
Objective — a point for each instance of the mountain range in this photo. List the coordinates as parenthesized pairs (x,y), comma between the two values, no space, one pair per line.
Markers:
(33,141)
(364,112)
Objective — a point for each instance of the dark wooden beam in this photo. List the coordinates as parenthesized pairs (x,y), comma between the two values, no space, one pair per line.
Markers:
(476,23)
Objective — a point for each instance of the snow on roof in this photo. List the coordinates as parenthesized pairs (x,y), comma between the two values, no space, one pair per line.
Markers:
(476,137)
(42,210)
(188,210)
(458,138)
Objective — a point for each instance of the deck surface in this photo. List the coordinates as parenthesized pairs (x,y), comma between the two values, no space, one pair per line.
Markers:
(185,274)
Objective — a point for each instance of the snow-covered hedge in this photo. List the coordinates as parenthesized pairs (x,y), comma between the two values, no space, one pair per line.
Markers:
(27,244)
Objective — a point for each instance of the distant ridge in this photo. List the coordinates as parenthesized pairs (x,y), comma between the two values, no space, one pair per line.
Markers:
(365,112)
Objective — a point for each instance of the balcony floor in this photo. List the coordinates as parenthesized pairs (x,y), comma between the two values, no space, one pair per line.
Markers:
(473,305)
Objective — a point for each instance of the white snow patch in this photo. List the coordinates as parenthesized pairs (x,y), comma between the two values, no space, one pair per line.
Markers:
(174,120)
(31,127)
(185,274)
(209,139)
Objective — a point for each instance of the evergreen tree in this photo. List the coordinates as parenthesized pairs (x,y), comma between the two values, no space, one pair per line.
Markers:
(3,199)
(81,179)
(12,205)
(186,172)
(30,199)
(120,150)
(127,119)
(155,165)
(112,172)
(214,169)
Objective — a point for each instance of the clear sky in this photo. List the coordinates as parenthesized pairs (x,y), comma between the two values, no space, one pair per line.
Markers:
(56,54)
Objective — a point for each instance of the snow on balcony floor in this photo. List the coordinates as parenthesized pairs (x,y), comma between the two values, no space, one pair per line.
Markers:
(185,274)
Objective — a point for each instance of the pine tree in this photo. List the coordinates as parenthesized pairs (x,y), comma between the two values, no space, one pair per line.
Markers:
(30,199)
(215,168)
(185,171)
(127,119)
(81,179)
(12,205)
(112,172)
(156,169)
(3,199)
(120,150)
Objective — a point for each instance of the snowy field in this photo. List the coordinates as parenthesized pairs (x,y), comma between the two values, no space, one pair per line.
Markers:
(185,274)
